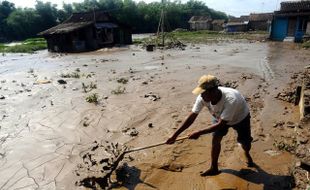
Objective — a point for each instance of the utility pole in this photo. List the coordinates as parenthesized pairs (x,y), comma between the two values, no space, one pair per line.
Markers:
(163,21)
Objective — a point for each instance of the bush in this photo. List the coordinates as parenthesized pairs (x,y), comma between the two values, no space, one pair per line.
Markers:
(28,46)
(306,44)
(93,98)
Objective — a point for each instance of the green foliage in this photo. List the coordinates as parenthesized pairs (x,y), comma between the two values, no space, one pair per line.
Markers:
(27,46)
(304,45)
(93,98)
(19,24)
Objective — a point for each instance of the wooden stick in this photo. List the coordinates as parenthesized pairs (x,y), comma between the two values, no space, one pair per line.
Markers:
(152,146)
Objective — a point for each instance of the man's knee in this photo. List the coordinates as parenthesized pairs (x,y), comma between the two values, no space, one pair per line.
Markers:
(216,140)
(246,146)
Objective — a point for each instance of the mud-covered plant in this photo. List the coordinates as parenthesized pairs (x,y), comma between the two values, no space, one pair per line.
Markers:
(119,90)
(286,146)
(90,87)
(71,75)
(93,98)
(122,80)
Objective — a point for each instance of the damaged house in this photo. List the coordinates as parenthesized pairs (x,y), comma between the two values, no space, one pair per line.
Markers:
(218,24)
(291,22)
(85,32)
(261,21)
(237,24)
(200,23)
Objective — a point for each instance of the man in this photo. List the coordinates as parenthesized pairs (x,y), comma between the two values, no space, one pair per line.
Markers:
(229,109)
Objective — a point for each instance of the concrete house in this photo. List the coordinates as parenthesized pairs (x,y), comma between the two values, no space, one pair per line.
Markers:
(260,21)
(291,22)
(85,32)
(200,23)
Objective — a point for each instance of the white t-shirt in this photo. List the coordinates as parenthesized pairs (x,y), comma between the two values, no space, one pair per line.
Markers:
(231,108)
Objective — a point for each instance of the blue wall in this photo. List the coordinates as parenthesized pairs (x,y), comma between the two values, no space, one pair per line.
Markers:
(279,28)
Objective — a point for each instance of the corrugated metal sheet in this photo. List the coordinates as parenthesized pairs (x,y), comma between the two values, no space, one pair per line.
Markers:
(65,28)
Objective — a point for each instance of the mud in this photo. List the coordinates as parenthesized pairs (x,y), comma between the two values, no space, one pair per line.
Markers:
(48,129)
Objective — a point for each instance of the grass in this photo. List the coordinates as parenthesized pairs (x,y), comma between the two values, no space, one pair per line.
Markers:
(28,46)
(304,45)
(93,98)
(202,36)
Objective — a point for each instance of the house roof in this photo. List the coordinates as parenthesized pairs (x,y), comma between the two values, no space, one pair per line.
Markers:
(218,21)
(295,6)
(65,28)
(195,19)
(236,24)
(243,18)
(81,20)
(261,16)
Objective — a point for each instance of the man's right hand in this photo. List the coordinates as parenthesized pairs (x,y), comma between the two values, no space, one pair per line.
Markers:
(171,140)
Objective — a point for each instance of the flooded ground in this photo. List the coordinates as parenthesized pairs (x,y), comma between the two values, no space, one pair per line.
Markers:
(47,125)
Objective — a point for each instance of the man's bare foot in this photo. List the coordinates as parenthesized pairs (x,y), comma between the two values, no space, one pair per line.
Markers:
(210,172)
(250,164)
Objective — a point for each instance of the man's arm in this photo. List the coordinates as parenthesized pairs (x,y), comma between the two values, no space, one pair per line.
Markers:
(221,123)
(187,123)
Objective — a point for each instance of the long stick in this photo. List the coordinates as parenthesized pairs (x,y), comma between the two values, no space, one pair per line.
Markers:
(152,146)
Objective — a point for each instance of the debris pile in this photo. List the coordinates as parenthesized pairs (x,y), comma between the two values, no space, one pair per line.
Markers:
(231,84)
(98,164)
(152,96)
(288,95)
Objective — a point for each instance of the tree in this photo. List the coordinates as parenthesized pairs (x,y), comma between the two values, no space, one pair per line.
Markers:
(6,8)
(23,23)
(47,13)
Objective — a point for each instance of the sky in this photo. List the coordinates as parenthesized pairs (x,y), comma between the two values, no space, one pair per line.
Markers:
(231,7)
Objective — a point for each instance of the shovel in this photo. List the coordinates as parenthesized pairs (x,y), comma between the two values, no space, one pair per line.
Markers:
(152,146)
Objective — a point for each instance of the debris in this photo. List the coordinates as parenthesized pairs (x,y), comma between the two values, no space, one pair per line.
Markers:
(2,97)
(150,125)
(172,167)
(230,84)
(151,96)
(42,82)
(61,81)
(272,152)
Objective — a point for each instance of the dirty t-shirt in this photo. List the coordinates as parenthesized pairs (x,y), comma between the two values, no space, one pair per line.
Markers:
(231,108)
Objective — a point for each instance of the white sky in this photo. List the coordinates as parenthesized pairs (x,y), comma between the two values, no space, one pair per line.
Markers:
(231,7)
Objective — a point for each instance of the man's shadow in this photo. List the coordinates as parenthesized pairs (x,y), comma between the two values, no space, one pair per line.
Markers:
(270,181)
(129,177)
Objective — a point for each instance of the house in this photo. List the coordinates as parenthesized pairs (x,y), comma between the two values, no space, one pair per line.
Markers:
(237,24)
(260,21)
(218,24)
(241,19)
(200,23)
(86,31)
(292,21)
(236,27)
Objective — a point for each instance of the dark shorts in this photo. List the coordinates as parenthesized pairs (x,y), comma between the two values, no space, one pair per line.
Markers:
(242,128)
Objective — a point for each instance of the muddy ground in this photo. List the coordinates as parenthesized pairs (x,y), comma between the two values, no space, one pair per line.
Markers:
(51,121)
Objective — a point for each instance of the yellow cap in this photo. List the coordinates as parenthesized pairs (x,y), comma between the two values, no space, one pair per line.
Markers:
(205,82)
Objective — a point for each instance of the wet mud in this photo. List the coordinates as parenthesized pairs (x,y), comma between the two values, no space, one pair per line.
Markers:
(58,110)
